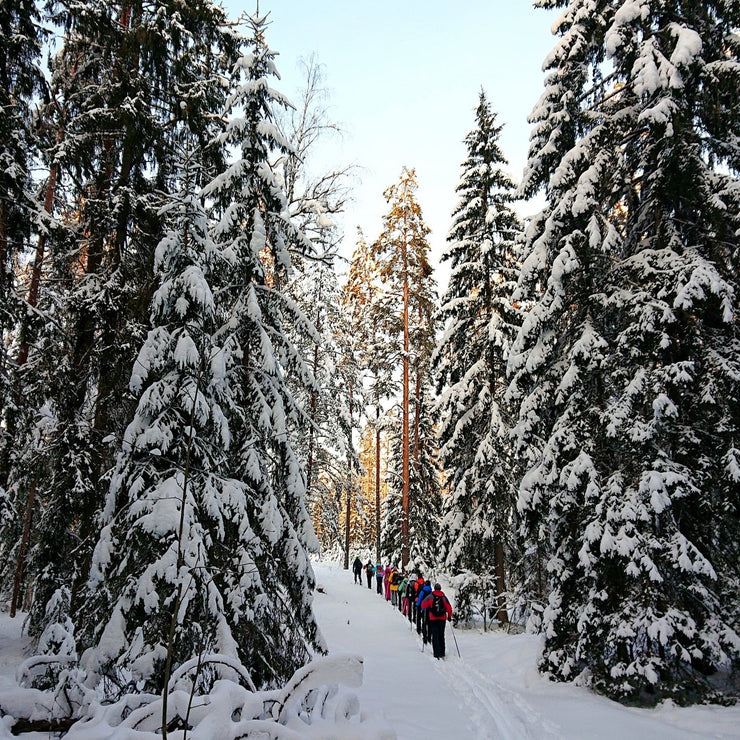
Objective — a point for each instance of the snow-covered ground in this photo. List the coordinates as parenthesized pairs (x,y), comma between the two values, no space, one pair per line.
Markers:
(492,691)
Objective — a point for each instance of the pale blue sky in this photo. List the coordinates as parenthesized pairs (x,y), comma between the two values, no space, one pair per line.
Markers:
(403,79)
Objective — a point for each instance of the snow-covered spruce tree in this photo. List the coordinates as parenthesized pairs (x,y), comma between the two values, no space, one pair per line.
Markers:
(125,74)
(625,370)
(176,557)
(470,369)
(254,231)
(21,81)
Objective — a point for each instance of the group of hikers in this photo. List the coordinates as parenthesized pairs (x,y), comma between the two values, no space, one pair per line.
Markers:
(426,607)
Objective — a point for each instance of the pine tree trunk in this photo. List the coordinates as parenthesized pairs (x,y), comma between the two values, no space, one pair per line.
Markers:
(22,549)
(405,545)
(416,447)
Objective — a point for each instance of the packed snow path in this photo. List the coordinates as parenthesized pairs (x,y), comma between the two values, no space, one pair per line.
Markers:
(492,693)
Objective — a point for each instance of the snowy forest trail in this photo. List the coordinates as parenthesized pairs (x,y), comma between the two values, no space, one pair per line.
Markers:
(408,690)
(420,696)
(493,692)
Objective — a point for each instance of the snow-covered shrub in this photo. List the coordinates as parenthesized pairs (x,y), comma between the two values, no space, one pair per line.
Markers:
(476,599)
(57,648)
(310,705)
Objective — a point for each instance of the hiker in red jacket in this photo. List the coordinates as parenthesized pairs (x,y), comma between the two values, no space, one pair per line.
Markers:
(439,611)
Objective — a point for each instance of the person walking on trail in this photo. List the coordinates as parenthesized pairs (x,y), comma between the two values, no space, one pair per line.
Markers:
(402,586)
(438,610)
(387,582)
(410,598)
(418,585)
(393,582)
(422,621)
(379,577)
(357,570)
(369,572)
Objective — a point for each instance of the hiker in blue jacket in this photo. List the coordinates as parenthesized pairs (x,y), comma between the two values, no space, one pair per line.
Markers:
(422,621)
(379,577)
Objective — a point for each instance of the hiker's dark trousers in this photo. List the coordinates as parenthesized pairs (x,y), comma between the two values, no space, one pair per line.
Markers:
(437,628)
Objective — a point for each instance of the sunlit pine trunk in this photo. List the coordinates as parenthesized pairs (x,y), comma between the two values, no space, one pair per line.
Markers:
(405,545)
(417,408)
(377,474)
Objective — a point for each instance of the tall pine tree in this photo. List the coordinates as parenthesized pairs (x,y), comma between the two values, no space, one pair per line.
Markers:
(405,316)
(176,559)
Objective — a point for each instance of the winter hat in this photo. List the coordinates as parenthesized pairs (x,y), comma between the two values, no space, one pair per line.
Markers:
(437,587)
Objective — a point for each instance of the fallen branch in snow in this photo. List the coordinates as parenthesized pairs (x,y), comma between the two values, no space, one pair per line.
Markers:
(41,725)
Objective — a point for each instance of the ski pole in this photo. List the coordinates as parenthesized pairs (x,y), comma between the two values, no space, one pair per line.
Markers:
(455,639)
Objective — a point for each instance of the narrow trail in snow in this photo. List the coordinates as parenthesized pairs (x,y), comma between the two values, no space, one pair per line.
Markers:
(498,713)
(422,696)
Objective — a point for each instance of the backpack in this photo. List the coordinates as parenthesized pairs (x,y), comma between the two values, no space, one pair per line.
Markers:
(438,605)
(411,590)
